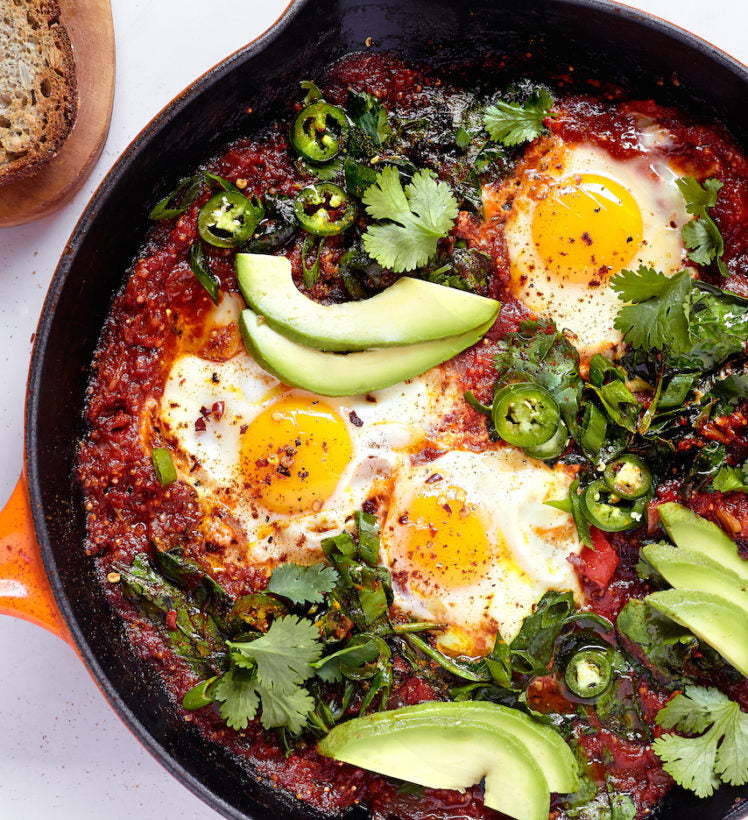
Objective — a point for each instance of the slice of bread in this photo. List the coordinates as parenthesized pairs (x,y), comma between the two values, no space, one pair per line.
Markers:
(38,95)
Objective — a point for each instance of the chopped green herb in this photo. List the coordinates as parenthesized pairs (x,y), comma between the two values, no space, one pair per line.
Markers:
(512,123)
(179,200)
(163,466)
(368,114)
(199,266)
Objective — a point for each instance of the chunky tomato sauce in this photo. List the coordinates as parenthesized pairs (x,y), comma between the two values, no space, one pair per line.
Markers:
(159,312)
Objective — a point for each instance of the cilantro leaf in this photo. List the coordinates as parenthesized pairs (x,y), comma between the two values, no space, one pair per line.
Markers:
(368,114)
(701,235)
(703,239)
(658,317)
(419,215)
(512,123)
(699,197)
(721,752)
(691,765)
(731,479)
(283,654)
(303,584)
(238,697)
(285,708)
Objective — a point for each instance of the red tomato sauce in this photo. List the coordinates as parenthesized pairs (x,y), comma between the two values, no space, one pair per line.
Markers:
(159,312)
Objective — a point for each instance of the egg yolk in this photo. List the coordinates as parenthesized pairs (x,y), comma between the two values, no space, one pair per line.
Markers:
(586,227)
(443,541)
(293,455)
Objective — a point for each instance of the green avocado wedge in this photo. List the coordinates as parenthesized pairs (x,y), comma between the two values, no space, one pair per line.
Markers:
(336,374)
(549,749)
(441,750)
(695,534)
(715,620)
(409,312)
(684,569)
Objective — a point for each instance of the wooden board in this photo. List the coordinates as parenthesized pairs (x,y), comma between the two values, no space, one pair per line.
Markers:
(89,24)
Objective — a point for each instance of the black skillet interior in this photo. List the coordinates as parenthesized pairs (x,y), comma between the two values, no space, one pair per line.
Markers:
(597,38)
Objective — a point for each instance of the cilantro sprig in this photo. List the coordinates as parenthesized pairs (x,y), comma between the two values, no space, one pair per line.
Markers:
(270,670)
(512,123)
(657,316)
(701,235)
(718,753)
(410,220)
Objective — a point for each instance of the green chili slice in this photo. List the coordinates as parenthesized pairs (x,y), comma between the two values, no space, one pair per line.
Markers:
(163,466)
(199,266)
(525,414)
(318,132)
(628,477)
(589,672)
(604,509)
(228,219)
(469,397)
(552,448)
(324,209)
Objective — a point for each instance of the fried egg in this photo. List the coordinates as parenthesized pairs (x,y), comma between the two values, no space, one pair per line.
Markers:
(472,546)
(276,469)
(581,215)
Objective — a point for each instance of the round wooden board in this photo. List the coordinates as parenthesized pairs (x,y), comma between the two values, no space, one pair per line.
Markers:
(89,25)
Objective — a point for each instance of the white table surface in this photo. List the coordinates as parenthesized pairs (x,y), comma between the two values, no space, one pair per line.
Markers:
(63,751)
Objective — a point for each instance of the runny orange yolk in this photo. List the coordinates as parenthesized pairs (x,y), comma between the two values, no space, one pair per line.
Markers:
(293,455)
(586,227)
(442,540)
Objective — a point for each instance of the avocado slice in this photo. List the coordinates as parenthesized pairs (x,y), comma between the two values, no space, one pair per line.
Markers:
(696,534)
(684,569)
(716,620)
(409,312)
(442,751)
(549,749)
(336,374)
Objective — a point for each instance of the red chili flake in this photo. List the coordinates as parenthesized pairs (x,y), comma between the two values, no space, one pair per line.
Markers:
(586,238)
(403,519)
(204,411)
(447,509)
(433,478)
(171,619)
(215,378)
(217,409)
(200,424)
(355,420)
(243,429)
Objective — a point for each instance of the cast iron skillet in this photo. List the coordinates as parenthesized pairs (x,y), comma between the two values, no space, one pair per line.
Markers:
(598,37)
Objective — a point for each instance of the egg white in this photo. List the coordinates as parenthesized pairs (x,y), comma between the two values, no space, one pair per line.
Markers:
(588,309)
(383,427)
(528,545)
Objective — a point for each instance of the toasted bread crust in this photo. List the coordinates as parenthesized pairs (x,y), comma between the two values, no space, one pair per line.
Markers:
(38,90)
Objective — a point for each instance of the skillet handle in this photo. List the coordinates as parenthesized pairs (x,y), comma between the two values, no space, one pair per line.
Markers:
(24,588)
